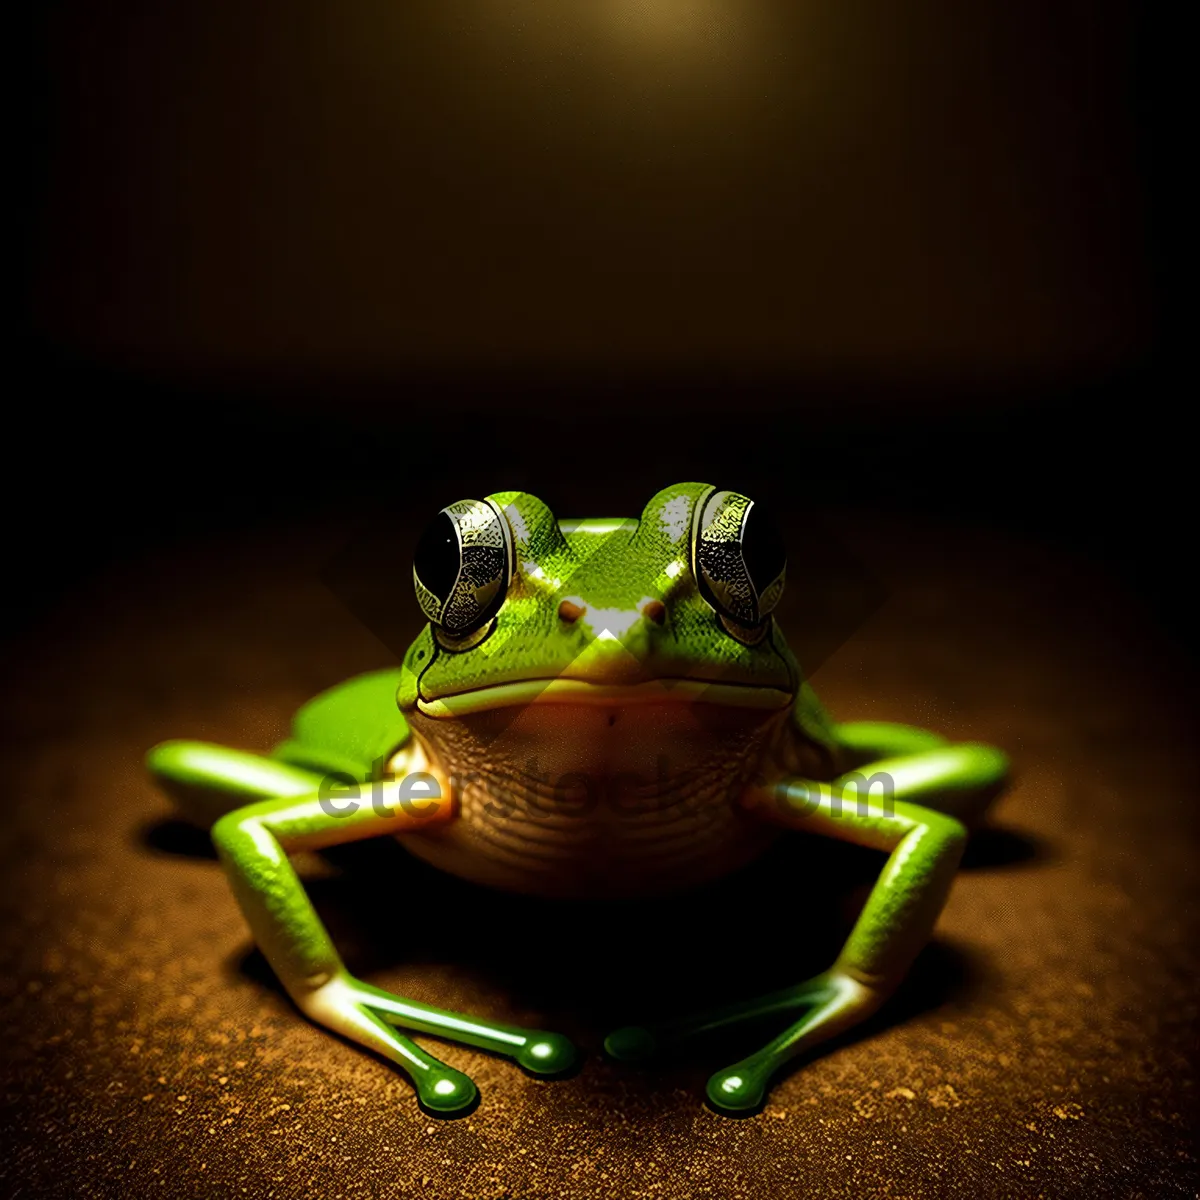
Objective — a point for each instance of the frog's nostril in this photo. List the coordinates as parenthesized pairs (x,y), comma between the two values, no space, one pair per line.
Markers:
(655,611)
(570,612)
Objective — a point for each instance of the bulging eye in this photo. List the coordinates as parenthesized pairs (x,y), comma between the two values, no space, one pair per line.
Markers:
(462,566)
(739,559)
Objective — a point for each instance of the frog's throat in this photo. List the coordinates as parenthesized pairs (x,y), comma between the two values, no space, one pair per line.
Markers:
(580,691)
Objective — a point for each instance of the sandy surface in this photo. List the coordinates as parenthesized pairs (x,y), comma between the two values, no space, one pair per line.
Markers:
(1045,1045)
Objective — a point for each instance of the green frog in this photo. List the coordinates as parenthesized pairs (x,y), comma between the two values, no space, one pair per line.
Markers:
(595,708)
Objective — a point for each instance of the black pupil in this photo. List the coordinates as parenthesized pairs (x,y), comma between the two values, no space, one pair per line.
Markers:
(762,548)
(436,557)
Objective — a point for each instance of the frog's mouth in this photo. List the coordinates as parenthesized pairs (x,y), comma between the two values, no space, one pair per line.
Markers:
(560,690)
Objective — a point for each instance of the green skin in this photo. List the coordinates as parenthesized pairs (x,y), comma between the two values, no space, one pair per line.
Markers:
(580,648)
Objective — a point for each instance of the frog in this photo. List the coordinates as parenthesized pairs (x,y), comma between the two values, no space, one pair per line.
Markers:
(595,708)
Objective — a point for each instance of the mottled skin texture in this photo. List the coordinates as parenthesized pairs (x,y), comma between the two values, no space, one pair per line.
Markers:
(607,732)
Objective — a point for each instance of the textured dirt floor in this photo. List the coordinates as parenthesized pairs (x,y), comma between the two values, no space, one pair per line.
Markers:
(1045,1045)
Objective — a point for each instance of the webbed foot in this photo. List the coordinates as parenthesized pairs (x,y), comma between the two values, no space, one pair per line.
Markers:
(830,1002)
(370,1015)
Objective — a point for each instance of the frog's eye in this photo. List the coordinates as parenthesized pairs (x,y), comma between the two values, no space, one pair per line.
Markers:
(739,561)
(462,566)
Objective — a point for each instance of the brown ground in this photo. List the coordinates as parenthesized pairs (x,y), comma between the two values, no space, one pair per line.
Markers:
(1044,1046)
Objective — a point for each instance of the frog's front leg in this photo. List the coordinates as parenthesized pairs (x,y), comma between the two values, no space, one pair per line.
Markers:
(924,845)
(253,843)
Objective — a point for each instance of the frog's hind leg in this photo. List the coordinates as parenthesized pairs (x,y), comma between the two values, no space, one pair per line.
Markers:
(869,745)
(205,781)
(911,823)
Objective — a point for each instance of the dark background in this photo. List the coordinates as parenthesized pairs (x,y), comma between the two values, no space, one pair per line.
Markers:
(281,259)
(907,274)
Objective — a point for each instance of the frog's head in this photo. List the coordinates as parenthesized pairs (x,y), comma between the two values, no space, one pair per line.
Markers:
(673,606)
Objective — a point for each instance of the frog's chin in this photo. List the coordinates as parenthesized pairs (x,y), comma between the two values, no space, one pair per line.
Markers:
(613,695)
